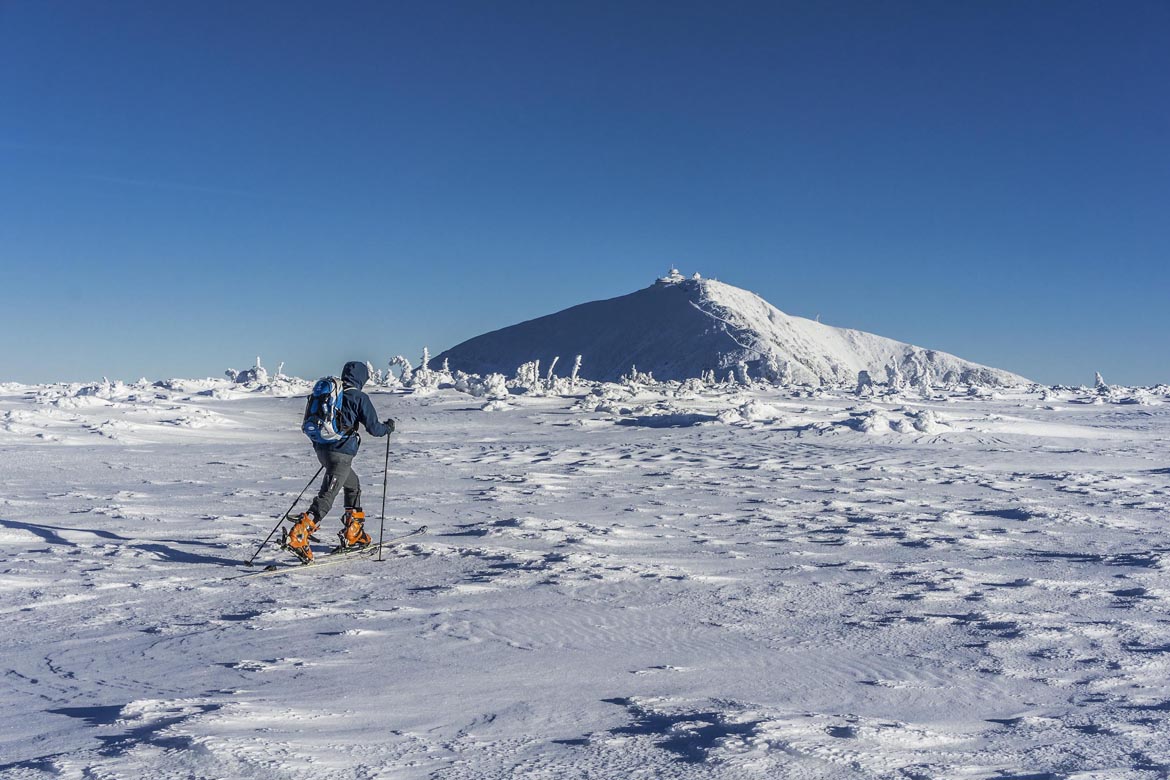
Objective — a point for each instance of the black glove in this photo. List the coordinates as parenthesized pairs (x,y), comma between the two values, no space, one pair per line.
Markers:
(389,426)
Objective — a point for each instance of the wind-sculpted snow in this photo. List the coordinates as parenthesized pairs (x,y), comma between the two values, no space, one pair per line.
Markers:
(685,328)
(669,581)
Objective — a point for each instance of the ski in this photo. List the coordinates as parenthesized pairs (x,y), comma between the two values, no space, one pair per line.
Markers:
(330,558)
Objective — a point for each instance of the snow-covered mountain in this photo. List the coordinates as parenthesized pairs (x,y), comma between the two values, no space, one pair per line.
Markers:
(680,328)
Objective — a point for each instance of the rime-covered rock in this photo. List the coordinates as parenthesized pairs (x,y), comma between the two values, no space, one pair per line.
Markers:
(257,374)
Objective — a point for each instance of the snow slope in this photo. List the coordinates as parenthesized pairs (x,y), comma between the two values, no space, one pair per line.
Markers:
(680,328)
(632,582)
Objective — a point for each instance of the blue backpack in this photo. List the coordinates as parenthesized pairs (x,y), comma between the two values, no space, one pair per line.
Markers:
(322,422)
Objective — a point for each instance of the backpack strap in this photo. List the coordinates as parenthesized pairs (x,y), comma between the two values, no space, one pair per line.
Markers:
(353,429)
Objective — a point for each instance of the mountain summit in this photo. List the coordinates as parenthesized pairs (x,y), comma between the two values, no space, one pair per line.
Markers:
(682,327)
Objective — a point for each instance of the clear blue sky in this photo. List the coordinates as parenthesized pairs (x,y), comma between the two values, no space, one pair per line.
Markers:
(184,185)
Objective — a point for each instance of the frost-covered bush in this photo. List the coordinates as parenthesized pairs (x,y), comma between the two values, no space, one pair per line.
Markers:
(689,390)
(492,386)
(871,421)
(636,377)
(406,369)
(753,410)
(555,385)
(567,386)
(388,380)
(925,421)
(527,378)
(607,398)
(560,385)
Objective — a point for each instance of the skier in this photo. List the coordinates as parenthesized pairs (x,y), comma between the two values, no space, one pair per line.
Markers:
(337,458)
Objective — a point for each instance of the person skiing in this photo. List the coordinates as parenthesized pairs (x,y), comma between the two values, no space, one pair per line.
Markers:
(337,458)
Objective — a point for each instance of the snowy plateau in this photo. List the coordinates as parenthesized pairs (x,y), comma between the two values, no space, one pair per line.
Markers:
(643,579)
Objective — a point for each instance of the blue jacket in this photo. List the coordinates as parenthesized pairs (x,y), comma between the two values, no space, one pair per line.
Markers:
(356,407)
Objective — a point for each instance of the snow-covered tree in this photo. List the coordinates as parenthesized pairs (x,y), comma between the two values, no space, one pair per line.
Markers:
(771,369)
(576,371)
(894,377)
(864,384)
(423,378)
(926,380)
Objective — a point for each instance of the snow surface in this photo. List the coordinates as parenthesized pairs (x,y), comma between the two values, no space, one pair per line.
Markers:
(635,581)
(680,328)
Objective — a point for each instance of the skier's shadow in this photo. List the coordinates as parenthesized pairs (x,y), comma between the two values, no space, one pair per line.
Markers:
(179,556)
(52,535)
(161,548)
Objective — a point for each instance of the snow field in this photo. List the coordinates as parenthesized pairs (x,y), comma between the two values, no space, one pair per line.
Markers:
(631,582)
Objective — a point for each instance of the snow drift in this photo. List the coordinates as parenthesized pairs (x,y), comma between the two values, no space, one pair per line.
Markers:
(680,328)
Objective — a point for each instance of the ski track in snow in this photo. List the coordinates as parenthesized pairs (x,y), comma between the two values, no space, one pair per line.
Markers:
(741,583)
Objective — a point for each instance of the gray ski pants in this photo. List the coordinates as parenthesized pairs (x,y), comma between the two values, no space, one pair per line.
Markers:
(338,474)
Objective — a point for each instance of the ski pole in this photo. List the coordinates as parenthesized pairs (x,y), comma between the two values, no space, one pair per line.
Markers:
(282,517)
(382,522)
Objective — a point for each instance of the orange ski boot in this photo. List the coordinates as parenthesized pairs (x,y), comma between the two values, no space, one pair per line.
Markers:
(297,540)
(353,534)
